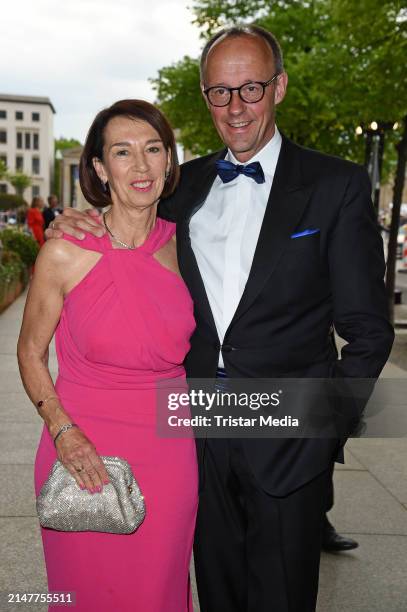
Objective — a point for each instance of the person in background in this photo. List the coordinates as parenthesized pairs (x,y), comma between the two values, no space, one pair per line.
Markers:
(35,219)
(51,211)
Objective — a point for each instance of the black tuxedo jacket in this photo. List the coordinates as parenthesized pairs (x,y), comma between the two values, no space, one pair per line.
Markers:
(297,290)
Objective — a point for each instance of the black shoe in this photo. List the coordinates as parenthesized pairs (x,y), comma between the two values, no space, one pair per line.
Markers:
(332,541)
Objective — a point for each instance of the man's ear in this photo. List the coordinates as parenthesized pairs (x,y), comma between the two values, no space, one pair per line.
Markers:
(281,87)
(203,95)
(99,169)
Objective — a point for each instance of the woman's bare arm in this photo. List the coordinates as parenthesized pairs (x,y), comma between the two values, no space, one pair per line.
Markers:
(53,274)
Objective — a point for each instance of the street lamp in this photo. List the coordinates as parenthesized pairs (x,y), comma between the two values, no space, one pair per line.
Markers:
(374,134)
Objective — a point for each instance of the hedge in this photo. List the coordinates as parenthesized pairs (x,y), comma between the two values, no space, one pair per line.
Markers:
(26,247)
(10,201)
(18,255)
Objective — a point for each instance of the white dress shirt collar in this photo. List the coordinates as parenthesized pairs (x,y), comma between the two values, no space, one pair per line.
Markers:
(267,156)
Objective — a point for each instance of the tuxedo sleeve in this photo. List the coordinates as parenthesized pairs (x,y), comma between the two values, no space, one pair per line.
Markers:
(357,268)
(171,208)
(167,209)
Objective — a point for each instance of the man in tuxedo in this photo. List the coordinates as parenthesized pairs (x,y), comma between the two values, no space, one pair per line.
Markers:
(277,244)
(51,211)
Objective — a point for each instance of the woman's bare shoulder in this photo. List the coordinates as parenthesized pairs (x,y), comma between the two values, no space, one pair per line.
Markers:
(59,252)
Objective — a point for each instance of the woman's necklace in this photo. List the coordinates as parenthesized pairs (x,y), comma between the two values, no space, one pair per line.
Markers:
(123,244)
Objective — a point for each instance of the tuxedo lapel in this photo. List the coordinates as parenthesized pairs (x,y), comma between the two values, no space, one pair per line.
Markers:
(196,195)
(287,201)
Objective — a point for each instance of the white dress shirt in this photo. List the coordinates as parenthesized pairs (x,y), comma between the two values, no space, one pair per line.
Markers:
(224,234)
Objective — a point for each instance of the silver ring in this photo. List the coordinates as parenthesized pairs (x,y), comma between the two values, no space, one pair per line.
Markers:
(52,225)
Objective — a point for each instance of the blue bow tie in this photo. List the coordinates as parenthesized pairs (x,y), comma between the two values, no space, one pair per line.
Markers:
(229,171)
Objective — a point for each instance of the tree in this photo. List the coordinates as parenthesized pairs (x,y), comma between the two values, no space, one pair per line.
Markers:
(337,77)
(3,170)
(346,67)
(181,101)
(309,113)
(395,218)
(19,181)
(377,41)
(11,201)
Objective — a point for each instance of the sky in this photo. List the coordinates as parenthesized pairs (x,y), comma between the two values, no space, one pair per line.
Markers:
(86,54)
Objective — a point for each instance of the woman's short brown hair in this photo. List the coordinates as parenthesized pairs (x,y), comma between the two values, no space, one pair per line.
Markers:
(37,202)
(91,185)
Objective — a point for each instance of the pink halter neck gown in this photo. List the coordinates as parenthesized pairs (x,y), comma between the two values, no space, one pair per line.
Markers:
(125,326)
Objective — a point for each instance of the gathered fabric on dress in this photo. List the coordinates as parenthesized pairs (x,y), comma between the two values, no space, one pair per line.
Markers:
(124,328)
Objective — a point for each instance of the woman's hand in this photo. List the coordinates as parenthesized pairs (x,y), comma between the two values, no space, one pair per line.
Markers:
(79,457)
(76,223)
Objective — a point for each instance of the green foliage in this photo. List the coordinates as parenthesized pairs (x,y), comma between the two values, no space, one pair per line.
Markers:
(26,247)
(181,101)
(9,272)
(66,143)
(210,15)
(12,270)
(3,169)
(11,257)
(10,201)
(345,62)
(20,182)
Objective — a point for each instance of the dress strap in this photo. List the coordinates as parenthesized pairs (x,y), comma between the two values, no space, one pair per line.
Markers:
(89,243)
(162,232)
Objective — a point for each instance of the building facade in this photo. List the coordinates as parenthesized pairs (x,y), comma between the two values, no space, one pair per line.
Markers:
(27,142)
(71,194)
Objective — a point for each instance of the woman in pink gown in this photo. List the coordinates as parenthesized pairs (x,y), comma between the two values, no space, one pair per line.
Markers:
(123,325)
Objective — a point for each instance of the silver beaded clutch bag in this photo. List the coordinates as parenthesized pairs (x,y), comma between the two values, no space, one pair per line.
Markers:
(119,508)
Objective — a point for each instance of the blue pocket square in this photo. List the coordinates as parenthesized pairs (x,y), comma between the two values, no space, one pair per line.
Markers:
(307,232)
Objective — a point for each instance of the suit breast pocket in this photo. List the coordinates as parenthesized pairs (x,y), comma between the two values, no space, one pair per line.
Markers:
(304,244)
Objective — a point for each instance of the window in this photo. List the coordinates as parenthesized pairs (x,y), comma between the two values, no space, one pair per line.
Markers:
(19,163)
(19,115)
(3,114)
(35,116)
(36,141)
(3,188)
(3,136)
(19,140)
(27,139)
(35,165)
(35,191)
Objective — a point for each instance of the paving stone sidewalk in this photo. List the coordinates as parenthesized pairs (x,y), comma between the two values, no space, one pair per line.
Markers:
(370,491)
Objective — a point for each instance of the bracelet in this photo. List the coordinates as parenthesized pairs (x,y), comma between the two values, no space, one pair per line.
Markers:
(63,429)
(41,403)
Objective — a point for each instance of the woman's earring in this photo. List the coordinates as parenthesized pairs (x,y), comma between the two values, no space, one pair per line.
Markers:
(167,174)
(105,186)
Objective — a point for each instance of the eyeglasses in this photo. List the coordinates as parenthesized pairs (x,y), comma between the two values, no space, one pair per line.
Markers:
(248,92)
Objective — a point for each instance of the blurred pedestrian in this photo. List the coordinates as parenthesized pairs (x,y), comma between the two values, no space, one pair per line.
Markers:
(51,211)
(35,219)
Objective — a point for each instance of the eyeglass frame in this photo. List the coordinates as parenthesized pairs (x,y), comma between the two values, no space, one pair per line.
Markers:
(264,84)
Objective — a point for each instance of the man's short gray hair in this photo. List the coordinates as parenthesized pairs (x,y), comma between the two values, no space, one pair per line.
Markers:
(245,30)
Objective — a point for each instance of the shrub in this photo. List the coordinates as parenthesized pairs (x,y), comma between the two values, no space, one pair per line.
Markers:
(26,247)
(10,201)
(9,272)
(11,257)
